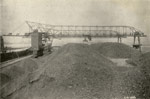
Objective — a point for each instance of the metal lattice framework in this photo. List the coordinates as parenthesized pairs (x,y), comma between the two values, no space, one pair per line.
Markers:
(76,30)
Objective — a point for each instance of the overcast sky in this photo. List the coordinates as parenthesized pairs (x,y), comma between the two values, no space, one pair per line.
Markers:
(134,13)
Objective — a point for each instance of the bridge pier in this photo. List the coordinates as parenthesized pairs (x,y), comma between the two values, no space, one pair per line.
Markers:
(85,40)
(138,44)
(119,37)
(119,40)
(89,37)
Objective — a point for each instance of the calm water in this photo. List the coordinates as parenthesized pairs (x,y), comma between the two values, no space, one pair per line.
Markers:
(23,43)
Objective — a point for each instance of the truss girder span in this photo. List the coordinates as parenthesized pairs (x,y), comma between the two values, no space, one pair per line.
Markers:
(75,30)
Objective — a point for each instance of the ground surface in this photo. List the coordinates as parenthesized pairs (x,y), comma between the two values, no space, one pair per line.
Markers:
(75,71)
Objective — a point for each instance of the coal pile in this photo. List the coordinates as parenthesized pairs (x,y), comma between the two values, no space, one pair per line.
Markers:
(115,50)
(144,63)
(16,76)
(4,79)
(79,68)
(138,79)
(73,56)
(144,66)
(20,68)
(75,71)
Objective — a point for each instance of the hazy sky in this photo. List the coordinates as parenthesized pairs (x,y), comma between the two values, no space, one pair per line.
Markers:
(75,12)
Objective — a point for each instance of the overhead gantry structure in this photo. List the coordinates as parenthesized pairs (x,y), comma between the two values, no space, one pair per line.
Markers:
(88,31)
(80,30)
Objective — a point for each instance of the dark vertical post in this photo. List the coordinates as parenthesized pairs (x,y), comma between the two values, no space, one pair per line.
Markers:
(139,40)
(89,30)
(61,34)
(118,39)
(1,44)
(139,43)
(68,31)
(134,39)
(75,30)
(96,31)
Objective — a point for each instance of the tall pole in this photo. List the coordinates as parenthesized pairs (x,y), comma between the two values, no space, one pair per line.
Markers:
(1,44)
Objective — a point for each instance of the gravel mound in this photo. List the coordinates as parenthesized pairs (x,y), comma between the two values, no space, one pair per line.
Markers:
(115,50)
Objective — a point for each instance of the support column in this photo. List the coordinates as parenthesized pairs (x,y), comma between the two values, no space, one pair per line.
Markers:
(119,38)
(1,44)
(36,43)
(138,45)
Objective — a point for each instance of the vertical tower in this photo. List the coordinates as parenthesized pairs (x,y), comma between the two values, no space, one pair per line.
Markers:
(36,43)
(138,44)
